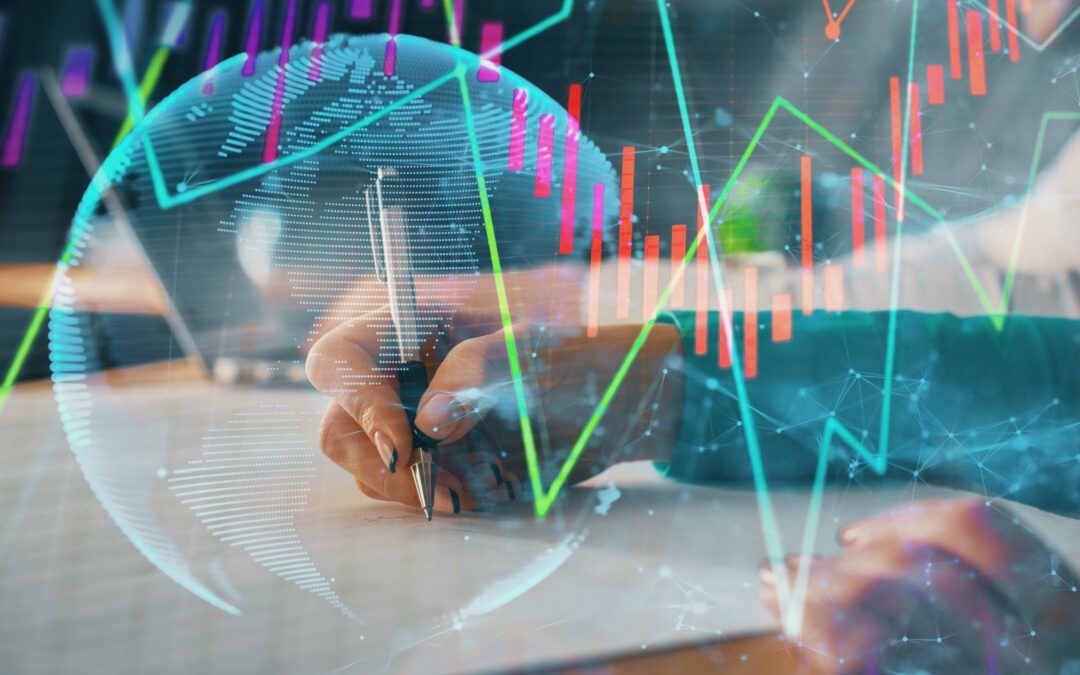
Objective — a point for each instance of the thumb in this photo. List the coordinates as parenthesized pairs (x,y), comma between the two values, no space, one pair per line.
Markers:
(465,386)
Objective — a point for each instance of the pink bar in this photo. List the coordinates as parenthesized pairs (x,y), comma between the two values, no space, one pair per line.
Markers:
(750,327)
(360,9)
(273,131)
(569,192)
(390,58)
(678,258)
(594,264)
(15,139)
(516,160)
(652,264)
(491,34)
(544,151)
(807,231)
(393,24)
(781,317)
(76,75)
(834,288)
(251,40)
(320,27)
(213,48)
(459,17)
(858,219)
(935,84)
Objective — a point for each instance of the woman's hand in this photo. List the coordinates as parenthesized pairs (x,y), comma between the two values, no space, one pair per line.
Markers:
(471,406)
(943,586)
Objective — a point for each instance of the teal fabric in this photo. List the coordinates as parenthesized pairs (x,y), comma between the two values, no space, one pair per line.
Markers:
(973,407)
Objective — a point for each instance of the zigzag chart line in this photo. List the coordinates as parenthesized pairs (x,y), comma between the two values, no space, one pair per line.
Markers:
(791,609)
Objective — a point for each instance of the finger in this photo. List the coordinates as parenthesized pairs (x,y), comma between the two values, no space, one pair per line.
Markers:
(466,385)
(345,443)
(345,365)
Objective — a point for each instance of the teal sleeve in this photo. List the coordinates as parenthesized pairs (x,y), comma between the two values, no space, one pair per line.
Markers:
(974,407)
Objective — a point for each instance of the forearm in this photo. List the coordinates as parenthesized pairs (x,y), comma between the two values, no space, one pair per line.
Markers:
(969,406)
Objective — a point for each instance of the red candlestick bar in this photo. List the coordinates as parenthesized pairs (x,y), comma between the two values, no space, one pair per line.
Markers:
(750,300)
(1010,25)
(995,25)
(976,60)
(858,219)
(781,317)
(516,160)
(678,257)
(544,150)
(573,103)
(724,360)
(834,288)
(594,263)
(701,295)
(880,253)
(807,236)
(626,230)
(935,85)
(916,130)
(652,263)
(954,41)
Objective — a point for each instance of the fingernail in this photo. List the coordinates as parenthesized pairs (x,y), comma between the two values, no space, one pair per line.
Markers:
(454,499)
(496,472)
(393,461)
(510,490)
(441,407)
(386,449)
(849,534)
(766,575)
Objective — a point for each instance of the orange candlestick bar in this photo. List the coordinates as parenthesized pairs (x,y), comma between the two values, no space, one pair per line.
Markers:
(807,235)
(781,317)
(881,262)
(701,295)
(594,263)
(995,25)
(573,102)
(935,85)
(858,218)
(1010,25)
(678,254)
(976,59)
(750,327)
(652,262)
(626,231)
(897,142)
(954,41)
(834,288)
(916,130)
(725,326)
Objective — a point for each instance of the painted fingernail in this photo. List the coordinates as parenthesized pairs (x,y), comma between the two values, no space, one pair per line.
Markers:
(455,500)
(441,408)
(510,490)
(496,472)
(386,448)
(393,461)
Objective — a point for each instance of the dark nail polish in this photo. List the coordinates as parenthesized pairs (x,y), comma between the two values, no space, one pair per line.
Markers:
(496,472)
(455,500)
(393,461)
(510,490)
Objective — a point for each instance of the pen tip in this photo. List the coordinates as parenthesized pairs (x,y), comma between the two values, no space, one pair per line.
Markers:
(427,512)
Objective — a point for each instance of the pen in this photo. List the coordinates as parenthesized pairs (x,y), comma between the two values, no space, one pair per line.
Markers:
(393,265)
